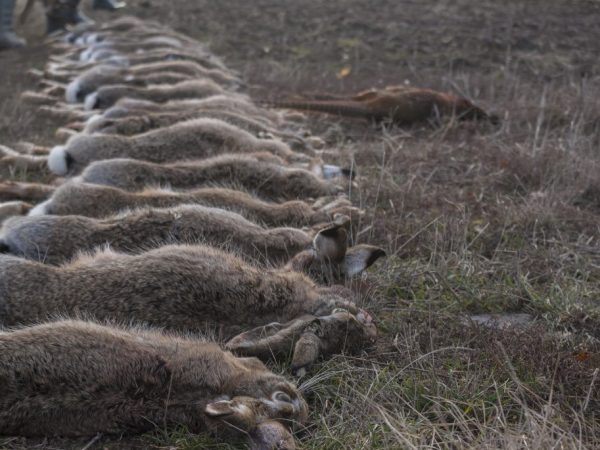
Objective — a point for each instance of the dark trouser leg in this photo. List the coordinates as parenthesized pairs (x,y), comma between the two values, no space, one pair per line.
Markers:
(8,38)
(110,5)
(63,13)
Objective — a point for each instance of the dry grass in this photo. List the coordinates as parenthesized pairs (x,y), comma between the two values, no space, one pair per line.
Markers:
(476,218)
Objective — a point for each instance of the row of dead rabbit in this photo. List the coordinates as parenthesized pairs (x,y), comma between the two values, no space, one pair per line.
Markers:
(247,241)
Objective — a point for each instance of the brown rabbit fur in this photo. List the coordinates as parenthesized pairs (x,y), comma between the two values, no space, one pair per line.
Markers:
(181,287)
(107,96)
(59,65)
(141,75)
(73,93)
(76,378)
(61,68)
(260,175)
(193,139)
(142,30)
(98,51)
(57,239)
(129,107)
(231,103)
(91,200)
(132,125)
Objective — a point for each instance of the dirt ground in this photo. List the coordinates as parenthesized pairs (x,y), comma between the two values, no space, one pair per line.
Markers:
(476,218)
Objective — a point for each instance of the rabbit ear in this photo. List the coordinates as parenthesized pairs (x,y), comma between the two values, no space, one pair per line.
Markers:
(331,243)
(220,408)
(359,258)
(306,352)
(239,412)
(271,435)
(267,341)
(262,342)
(246,342)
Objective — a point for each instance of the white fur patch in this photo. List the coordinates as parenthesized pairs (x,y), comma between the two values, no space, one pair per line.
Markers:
(57,160)
(331,171)
(90,101)
(39,209)
(72,91)
(101,54)
(118,60)
(91,123)
(91,38)
(93,119)
(86,54)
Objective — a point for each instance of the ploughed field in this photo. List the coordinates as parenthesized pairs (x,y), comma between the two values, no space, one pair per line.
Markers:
(477,219)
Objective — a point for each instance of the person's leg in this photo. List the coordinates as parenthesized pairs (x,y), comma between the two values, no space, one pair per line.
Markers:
(8,38)
(63,13)
(110,5)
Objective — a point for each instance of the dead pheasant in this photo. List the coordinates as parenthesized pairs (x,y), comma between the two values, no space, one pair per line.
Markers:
(401,105)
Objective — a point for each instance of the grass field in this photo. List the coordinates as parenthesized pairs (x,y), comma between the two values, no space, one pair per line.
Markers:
(477,219)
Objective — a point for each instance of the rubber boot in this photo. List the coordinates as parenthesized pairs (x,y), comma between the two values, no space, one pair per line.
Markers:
(8,38)
(63,13)
(109,5)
